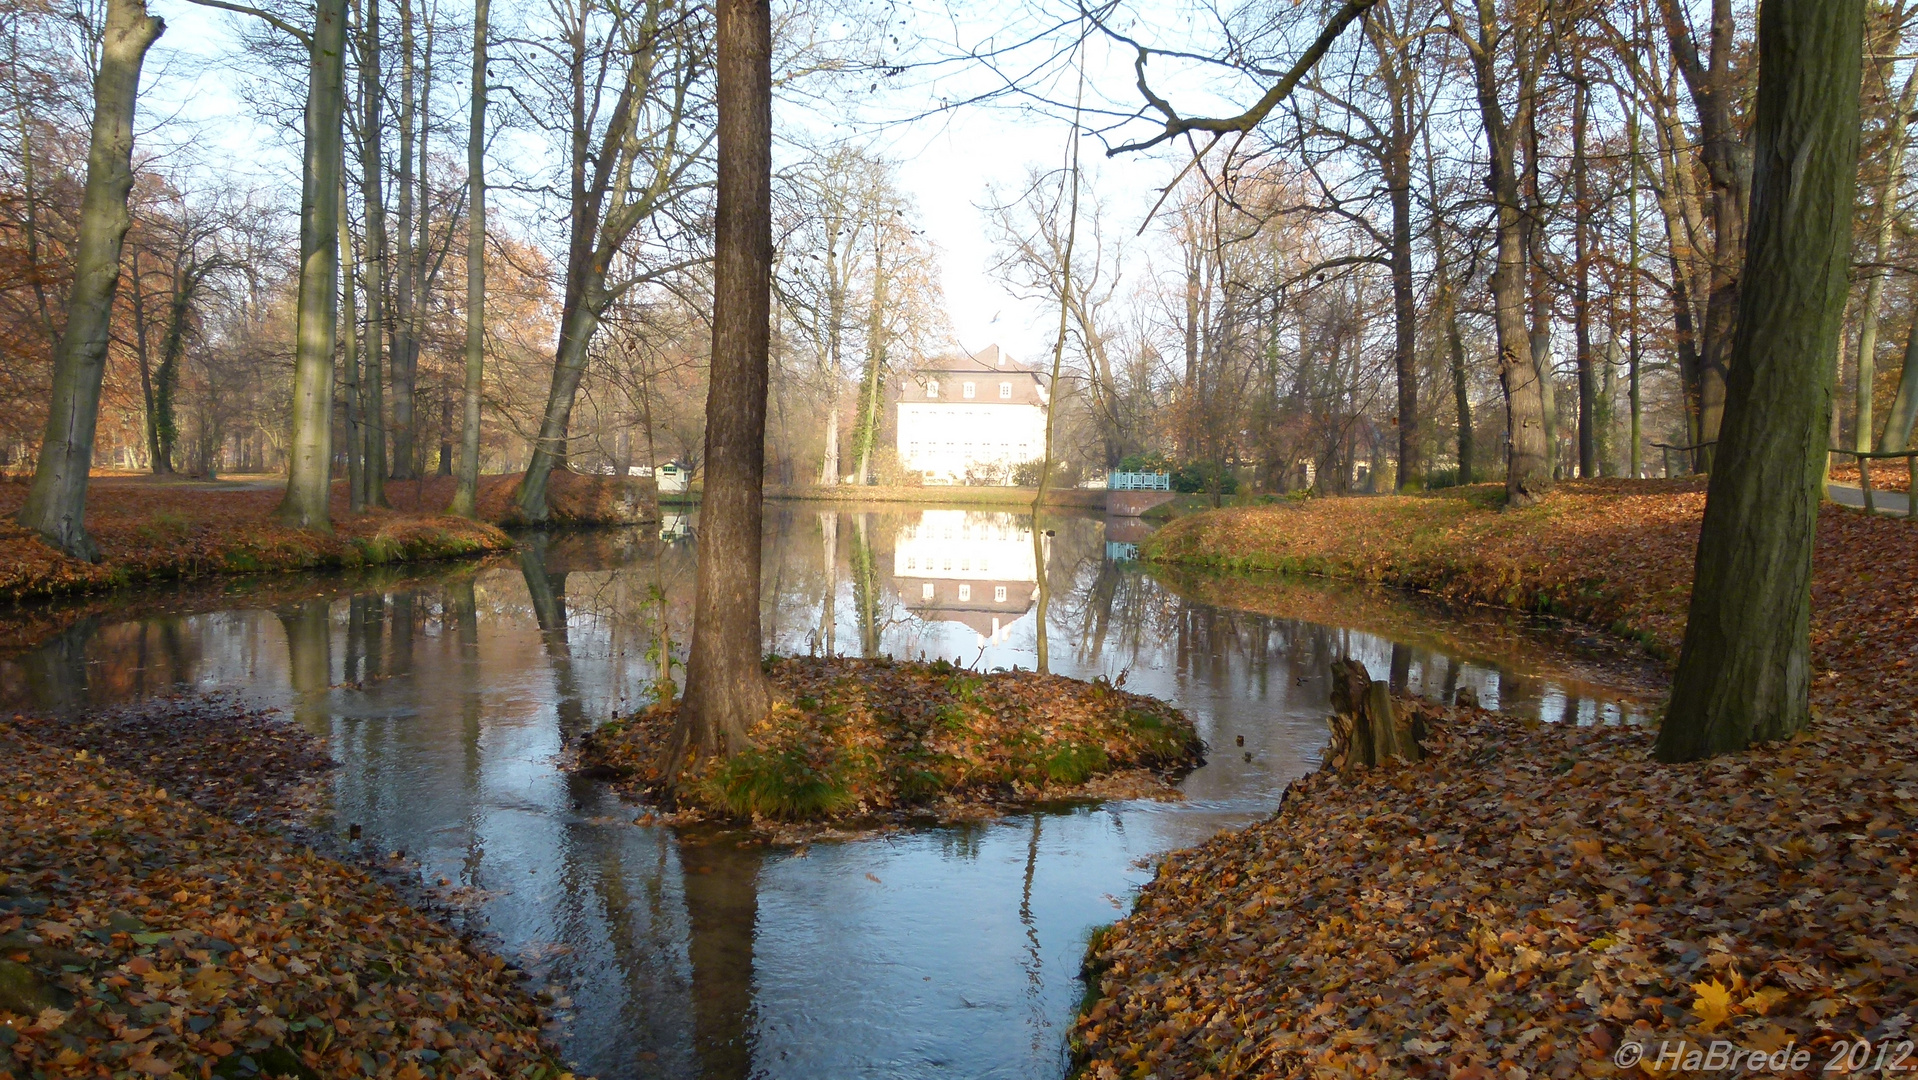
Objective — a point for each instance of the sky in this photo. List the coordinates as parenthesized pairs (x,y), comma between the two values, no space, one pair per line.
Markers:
(947,161)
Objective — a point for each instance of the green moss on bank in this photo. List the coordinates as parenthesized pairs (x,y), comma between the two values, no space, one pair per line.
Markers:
(850,738)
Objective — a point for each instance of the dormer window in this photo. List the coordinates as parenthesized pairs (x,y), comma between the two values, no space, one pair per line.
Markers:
(932,388)
(1005,391)
(970,390)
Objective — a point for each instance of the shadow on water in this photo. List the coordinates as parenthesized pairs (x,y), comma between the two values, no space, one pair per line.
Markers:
(449,694)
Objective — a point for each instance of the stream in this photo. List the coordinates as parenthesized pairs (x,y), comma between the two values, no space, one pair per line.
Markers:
(449,693)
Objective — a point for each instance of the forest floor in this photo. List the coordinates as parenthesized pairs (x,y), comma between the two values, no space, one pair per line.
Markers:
(1545,899)
(853,741)
(150,529)
(156,920)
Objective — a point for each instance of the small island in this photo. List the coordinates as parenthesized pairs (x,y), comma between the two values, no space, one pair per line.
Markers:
(862,739)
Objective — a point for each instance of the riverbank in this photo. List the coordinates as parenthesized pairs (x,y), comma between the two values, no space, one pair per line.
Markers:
(1531,897)
(860,740)
(1536,896)
(152,530)
(1614,555)
(147,932)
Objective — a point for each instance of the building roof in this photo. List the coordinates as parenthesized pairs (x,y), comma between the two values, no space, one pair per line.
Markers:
(991,358)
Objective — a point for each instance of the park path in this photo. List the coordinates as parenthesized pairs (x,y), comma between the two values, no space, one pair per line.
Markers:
(1885,502)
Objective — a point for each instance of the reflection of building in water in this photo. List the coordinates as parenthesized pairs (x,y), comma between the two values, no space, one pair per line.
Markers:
(966,567)
(675,526)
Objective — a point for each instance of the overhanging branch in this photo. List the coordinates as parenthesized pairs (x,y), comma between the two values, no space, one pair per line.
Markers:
(1176,125)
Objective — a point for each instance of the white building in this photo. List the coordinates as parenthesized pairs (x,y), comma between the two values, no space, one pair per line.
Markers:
(967,567)
(977,415)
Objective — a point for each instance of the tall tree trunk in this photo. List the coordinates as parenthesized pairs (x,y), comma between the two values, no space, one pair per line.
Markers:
(350,367)
(1745,670)
(726,691)
(144,354)
(569,367)
(1539,286)
(310,444)
(1721,149)
(1404,301)
(403,351)
(466,486)
(1528,473)
(1904,407)
(1633,463)
(1885,215)
(57,502)
(373,194)
(875,354)
(1582,289)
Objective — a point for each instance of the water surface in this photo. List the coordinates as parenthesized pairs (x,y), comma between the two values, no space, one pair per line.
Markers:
(450,696)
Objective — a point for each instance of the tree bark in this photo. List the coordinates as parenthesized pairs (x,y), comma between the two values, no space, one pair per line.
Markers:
(373,194)
(1904,407)
(466,487)
(1528,473)
(404,350)
(1582,289)
(309,479)
(57,502)
(726,690)
(1728,169)
(1885,220)
(1744,672)
(350,366)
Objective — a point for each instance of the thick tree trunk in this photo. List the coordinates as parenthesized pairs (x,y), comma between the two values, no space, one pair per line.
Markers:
(309,478)
(466,486)
(1745,669)
(569,367)
(726,691)
(309,444)
(57,503)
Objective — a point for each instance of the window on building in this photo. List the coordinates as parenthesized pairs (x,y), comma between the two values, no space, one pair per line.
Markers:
(969,390)
(965,592)
(998,594)
(925,591)
(932,388)
(1005,390)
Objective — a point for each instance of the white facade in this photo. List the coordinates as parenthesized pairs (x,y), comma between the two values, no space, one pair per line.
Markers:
(967,567)
(980,415)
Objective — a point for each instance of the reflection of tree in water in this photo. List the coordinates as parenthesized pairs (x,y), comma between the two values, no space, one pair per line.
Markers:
(309,654)
(547,590)
(721,883)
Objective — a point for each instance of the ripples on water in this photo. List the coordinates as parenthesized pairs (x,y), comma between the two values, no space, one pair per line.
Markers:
(950,951)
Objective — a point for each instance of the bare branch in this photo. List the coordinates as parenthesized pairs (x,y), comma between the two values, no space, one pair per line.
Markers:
(1176,125)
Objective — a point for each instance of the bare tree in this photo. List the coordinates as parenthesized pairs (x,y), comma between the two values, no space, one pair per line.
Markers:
(57,502)
(1744,674)
(726,690)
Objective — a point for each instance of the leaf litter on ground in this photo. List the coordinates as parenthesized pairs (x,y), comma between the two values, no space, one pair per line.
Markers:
(1531,897)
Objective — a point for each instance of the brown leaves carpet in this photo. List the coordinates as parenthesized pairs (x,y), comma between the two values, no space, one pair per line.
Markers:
(1531,898)
(141,935)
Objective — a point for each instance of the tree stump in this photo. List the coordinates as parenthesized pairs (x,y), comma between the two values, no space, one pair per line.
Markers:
(1366,733)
